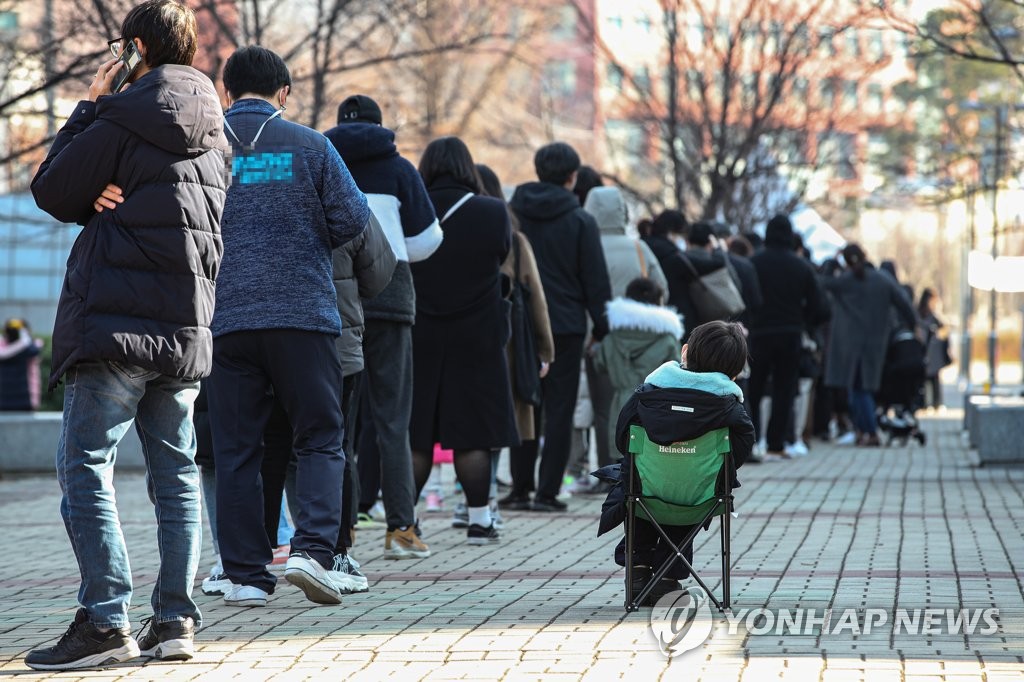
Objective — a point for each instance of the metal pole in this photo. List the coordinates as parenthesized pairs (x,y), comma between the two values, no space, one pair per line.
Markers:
(992,335)
(966,299)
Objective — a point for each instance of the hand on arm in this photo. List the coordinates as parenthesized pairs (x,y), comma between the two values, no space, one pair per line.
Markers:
(110,197)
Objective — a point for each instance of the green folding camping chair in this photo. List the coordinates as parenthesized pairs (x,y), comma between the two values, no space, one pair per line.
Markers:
(679,484)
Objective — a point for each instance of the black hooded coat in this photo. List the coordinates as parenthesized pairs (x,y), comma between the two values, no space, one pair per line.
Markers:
(139,287)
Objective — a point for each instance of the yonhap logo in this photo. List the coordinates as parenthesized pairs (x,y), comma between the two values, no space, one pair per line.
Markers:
(681,621)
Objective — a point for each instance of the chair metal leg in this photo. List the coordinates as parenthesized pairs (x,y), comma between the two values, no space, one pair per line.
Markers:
(726,558)
(630,531)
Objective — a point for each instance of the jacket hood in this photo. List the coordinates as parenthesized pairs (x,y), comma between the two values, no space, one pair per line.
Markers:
(542,201)
(674,414)
(673,375)
(608,208)
(173,107)
(624,313)
(361,141)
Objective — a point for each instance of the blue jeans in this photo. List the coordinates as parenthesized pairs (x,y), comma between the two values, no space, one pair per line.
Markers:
(862,411)
(100,402)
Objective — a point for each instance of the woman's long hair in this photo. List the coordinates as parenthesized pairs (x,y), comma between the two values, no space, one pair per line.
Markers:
(924,306)
(490,185)
(855,259)
(449,156)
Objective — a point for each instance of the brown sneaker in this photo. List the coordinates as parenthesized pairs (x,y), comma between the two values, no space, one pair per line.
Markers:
(404,544)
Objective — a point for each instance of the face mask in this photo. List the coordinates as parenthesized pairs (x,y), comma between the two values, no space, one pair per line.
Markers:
(680,243)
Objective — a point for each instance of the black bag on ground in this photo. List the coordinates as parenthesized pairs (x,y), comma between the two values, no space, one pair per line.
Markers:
(525,366)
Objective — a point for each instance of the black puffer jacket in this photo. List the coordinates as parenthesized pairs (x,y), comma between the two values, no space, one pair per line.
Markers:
(567,245)
(139,287)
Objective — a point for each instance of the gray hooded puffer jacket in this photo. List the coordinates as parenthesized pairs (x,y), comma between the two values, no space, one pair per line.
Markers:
(622,253)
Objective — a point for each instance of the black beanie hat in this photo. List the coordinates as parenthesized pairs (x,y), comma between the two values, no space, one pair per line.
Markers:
(779,232)
(359,109)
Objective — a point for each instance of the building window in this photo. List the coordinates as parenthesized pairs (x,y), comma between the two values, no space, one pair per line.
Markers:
(560,77)
(615,76)
(565,25)
(876,45)
(800,88)
(850,94)
(826,93)
(853,43)
(615,21)
(644,23)
(643,79)
(876,98)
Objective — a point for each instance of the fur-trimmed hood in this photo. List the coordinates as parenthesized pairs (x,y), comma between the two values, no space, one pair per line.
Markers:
(625,313)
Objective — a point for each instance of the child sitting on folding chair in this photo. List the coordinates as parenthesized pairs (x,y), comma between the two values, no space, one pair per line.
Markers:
(680,401)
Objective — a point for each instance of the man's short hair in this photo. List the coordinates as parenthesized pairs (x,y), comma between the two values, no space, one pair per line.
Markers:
(700,234)
(717,347)
(555,163)
(645,290)
(669,221)
(257,70)
(168,30)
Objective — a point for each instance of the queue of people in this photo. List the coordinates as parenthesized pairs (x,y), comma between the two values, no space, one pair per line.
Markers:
(351,314)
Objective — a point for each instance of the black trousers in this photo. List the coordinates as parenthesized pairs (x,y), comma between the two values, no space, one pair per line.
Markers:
(559,390)
(650,549)
(280,467)
(776,356)
(301,370)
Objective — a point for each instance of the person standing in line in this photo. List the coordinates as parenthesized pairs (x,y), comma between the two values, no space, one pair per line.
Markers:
(627,258)
(936,344)
(862,298)
(292,201)
(462,396)
(143,171)
(399,200)
(793,301)
(567,244)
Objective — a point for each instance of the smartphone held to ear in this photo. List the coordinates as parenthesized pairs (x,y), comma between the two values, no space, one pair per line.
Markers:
(130,60)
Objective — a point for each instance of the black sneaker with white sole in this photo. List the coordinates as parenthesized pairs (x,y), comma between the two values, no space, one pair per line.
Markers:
(478,535)
(85,646)
(308,575)
(170,641)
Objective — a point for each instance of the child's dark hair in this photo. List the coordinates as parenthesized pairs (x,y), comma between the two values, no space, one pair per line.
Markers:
(645,290)
(717,347)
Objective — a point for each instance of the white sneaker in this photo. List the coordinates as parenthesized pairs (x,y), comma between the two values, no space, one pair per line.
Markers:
(797,449)
(347,576)
(760,448)
(848,438)
(217,582)
(245,595)
(309,576)
(377,512)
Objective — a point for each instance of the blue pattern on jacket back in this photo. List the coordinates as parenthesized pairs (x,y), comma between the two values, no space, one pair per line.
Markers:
(258,168)
(292,201)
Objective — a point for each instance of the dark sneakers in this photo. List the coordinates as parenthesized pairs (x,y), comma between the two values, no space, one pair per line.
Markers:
(84,646)
(478,535)
(642,575)
(547,504)
(170,641)
(515,501)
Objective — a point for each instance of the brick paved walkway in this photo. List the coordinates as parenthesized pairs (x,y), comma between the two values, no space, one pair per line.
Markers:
(905,527)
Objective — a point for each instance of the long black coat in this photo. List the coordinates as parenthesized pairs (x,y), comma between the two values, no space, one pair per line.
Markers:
(861,326)
(462,397)
(140,281)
